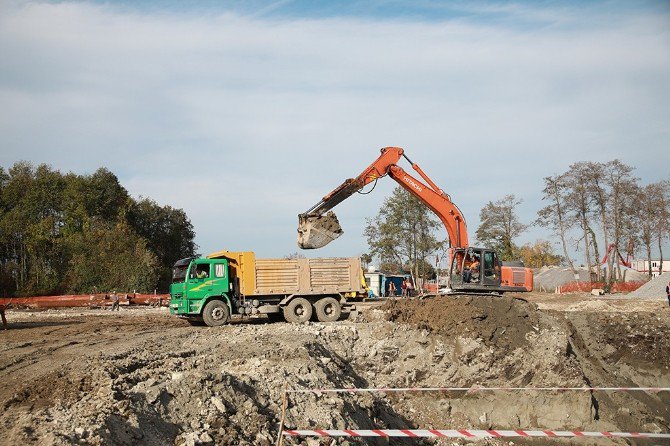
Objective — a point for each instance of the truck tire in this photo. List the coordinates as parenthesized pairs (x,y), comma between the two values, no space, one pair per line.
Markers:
(216,313)
(328,309)
(298,310)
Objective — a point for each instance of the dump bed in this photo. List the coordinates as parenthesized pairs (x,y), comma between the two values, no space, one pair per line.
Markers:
(295,276)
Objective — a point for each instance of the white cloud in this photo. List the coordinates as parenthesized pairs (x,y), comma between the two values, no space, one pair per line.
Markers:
(265,116)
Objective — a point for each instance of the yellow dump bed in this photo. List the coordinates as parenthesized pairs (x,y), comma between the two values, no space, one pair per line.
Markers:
(297,276)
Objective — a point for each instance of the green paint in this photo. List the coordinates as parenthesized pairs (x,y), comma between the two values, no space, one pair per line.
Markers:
(189,293)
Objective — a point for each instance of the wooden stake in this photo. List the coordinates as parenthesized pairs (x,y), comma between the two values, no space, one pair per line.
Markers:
(284,401)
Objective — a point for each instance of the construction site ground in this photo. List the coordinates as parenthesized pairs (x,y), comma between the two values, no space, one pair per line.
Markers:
(141,376)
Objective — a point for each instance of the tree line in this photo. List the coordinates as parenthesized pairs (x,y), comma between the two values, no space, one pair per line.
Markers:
(589,208)
(69,233)
(598,205)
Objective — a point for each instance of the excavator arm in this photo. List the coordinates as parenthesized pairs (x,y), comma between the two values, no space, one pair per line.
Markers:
(318,226)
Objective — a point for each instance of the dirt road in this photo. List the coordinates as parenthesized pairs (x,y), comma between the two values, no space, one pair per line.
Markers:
(140,376)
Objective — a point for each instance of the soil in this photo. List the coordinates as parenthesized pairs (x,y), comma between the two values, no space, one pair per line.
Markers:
(141,376)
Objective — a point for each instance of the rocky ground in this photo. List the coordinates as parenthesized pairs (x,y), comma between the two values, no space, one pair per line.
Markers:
(141,376)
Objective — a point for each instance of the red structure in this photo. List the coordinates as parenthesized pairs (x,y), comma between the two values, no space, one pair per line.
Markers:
(618,287)
(84,300)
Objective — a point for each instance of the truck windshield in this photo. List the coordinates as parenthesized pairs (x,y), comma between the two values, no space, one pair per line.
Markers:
(179,273)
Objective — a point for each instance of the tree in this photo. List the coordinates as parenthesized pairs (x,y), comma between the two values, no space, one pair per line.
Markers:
(579,202)
(662,223)
(500,226)
(600,198)
(623,187)
(53,226)
(652,218)
(402,233)
(104,260)
(168,232)
(538,254)
(366,260)
(554,215)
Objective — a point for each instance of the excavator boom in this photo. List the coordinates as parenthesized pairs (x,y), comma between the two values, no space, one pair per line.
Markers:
(319,226)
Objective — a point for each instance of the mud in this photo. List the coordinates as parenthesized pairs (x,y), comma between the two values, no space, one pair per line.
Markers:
(141,376)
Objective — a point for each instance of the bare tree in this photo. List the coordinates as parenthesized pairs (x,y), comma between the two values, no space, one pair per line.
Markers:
(646,218)
(600,198)
(579,202)
(554,215)
(623,197)
(662,223)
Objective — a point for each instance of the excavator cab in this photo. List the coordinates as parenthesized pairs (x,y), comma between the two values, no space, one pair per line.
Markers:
(474,269)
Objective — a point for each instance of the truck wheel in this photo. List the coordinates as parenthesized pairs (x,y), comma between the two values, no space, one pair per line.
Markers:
(328,309)
(298,310)
(216,313)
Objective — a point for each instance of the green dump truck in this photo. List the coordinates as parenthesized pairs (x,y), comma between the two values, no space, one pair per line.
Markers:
(211,289)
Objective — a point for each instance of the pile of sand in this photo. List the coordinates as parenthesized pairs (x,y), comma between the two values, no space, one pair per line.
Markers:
(653,289)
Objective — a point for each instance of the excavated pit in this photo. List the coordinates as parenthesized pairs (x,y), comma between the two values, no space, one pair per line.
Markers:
(143,377)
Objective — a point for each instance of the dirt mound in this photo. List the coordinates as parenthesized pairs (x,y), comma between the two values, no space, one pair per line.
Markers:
(548,278)
(135,378)
(500,321)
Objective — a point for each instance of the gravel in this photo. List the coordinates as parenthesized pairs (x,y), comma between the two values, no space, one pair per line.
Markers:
(654,289)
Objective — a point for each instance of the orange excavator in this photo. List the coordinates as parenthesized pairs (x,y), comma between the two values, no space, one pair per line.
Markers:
(472,270)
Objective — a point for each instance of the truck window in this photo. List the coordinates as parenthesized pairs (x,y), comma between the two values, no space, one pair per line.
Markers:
(179,273)
(219,270)
(489,264)
(201,271)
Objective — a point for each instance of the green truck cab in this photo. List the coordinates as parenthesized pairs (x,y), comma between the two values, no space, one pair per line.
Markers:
(197,283)
(211,289)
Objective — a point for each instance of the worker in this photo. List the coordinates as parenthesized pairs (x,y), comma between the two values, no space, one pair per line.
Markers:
(115,301)
(667,292)
(403,286)
(410,288)
(474,270)
(391,291)
(201,274)
(467,271)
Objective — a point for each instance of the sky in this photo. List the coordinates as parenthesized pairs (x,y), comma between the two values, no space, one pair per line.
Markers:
(246,113)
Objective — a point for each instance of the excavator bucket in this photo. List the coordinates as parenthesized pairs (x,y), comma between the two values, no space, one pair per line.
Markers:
(316,231)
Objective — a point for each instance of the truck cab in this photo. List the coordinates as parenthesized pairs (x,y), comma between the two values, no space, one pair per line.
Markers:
(195,282)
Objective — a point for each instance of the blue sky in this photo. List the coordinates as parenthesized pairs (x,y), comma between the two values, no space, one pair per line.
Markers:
(264,107)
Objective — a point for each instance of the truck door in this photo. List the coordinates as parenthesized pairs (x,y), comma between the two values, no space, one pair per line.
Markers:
(199,282)
(491,269)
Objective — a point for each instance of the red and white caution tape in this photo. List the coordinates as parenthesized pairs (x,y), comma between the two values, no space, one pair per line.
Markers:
(464,433)
(482,389)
